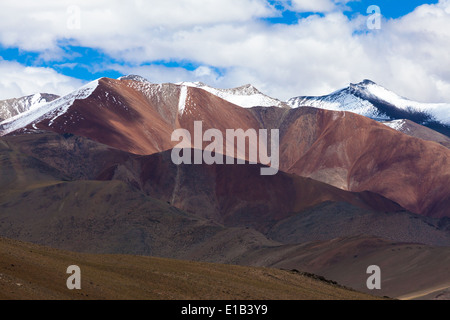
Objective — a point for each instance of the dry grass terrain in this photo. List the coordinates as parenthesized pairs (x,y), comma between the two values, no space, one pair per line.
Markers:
(28,271)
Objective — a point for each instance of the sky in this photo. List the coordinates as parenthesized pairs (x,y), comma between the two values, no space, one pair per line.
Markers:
(285,48)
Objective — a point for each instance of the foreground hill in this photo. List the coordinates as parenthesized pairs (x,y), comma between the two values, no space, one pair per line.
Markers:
(29,271)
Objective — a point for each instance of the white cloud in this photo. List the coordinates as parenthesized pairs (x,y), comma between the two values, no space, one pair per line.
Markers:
(319,54)
(313,5)
(163,74)
(411,53)
(17,81)
(38,25)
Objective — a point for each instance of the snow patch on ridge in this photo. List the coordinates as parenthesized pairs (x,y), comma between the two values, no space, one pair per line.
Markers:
(183,98)
(396,125)
(51,110)
(36,100)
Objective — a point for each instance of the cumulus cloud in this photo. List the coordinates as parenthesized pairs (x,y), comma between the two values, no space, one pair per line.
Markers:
(411,52)
(318,6)
(17,81)
(39,25)
(163,74)
(312,5)
(319,54)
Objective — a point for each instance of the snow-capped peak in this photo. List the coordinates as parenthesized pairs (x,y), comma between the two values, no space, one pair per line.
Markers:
(51,110)
(133,77)
(438,111)
(396,124)
(247,89)
(374,101)
(246,96)
(341,100)
(12,107)
(196,84)
(363,84)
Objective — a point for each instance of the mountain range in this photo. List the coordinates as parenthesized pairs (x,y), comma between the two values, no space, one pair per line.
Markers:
(365,98)
(92,172)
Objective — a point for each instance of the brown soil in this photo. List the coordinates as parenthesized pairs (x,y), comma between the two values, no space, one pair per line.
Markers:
(33,272)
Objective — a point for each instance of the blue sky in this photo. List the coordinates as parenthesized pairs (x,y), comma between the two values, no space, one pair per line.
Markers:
(391,9)
(240,42)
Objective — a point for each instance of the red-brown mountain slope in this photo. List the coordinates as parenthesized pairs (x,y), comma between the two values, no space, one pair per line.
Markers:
(345,150)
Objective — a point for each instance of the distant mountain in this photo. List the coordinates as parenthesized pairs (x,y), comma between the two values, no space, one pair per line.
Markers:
(376,102)
(134,77)
(12,107)
(48,111)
